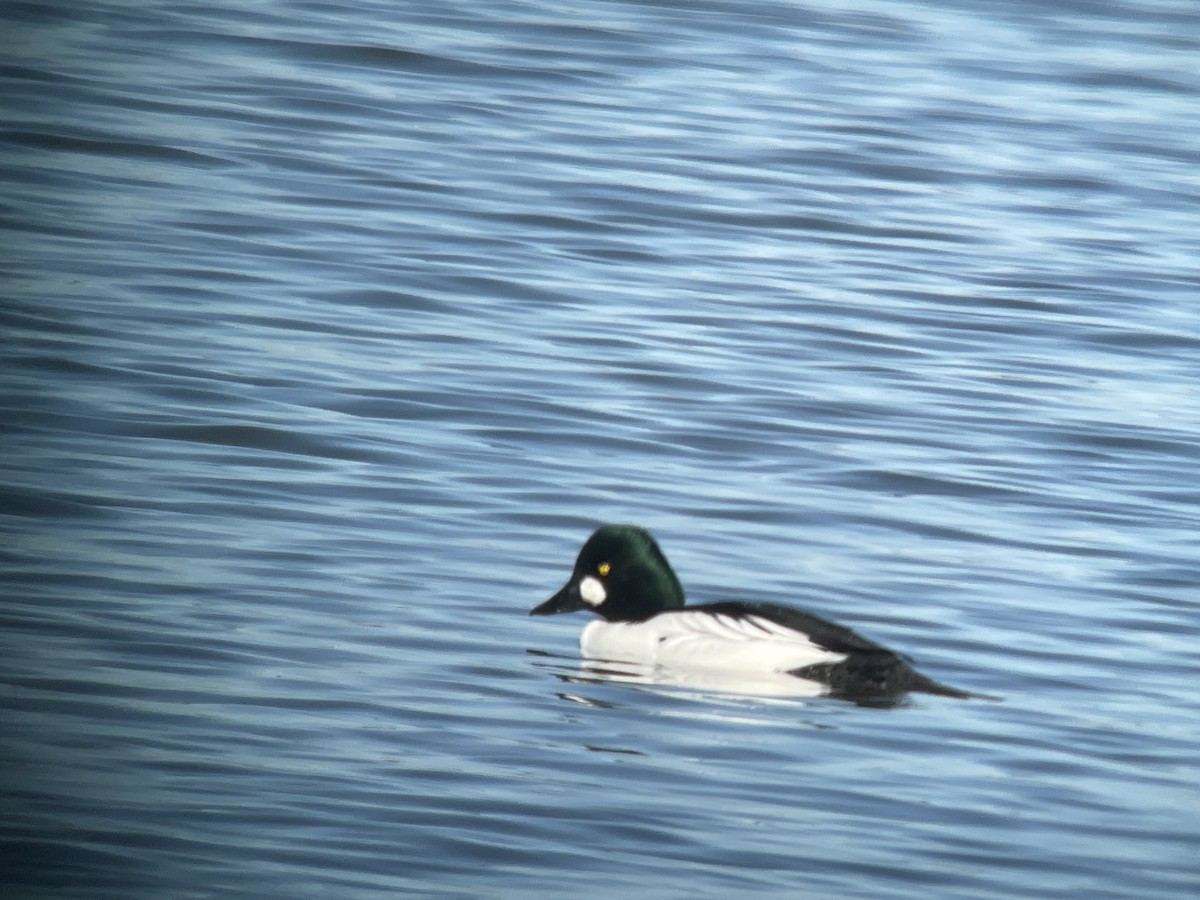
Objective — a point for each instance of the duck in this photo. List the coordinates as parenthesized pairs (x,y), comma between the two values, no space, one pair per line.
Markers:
(622,575)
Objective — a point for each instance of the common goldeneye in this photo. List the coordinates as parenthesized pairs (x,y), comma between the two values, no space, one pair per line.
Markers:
(623,576)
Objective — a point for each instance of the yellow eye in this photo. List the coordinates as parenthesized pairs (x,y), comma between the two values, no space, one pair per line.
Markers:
(603,569)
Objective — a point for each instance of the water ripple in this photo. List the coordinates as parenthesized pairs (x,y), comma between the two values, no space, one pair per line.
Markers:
(332,331)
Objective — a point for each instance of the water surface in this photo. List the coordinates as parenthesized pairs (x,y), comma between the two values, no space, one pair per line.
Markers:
(331,330)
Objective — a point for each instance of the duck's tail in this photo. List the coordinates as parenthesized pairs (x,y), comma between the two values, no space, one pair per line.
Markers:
(929,686)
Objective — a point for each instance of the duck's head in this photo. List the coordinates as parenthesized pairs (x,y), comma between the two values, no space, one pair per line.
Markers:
(621,575)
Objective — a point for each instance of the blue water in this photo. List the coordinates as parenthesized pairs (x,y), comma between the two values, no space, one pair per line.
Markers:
(332,329)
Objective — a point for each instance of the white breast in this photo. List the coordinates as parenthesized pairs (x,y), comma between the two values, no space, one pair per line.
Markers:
(700,641)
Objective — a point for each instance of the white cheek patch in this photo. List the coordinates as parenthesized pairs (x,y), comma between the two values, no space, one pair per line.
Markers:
(592,591)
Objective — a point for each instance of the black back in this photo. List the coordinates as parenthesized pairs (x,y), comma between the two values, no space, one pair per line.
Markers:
(870,675)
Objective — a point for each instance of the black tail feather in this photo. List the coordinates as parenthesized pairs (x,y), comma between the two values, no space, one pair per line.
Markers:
(878,679)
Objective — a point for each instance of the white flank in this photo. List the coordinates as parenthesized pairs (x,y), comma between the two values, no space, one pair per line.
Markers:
(760,684)
(705,643)
(592,591)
